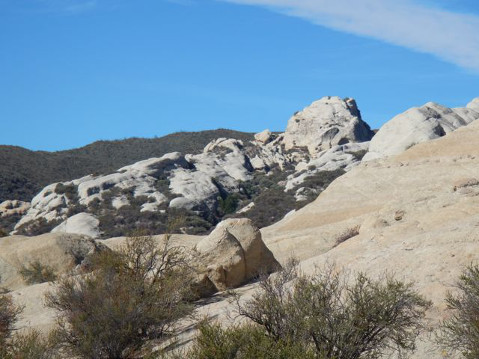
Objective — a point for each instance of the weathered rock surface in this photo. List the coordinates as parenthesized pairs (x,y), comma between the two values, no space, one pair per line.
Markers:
(417,125)
(325,123)
(62,252)
(329,128)
(13,207)
(234,253)
(81,223)
(264,136)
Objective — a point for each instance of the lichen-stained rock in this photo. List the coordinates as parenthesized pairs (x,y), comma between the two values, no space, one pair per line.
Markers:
(416,125)
(325,123)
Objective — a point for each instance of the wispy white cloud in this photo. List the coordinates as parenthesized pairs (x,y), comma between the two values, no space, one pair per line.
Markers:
(453,37)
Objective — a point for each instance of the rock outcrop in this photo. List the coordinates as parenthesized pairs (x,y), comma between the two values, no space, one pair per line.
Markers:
(233,254)
(331,129)
(325,123)
(13,207)
(81,223)
(62,252)
(474,104)
(417,125)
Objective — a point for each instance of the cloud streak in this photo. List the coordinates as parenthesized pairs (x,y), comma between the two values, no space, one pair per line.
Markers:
(450,36)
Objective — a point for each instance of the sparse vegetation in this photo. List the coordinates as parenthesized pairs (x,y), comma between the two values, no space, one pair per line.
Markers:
(321,316)
(272,203)
(37,227)
(347,234)
(244,342)
(36,272)
(30,345)
(8,316)
(460,333)
(23,173)
(131,296)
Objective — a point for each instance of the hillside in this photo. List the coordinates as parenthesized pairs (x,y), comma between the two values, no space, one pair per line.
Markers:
(413,214)
(23,173)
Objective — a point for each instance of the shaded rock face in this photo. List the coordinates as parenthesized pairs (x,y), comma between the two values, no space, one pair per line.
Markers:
(234,253)
(419,124)
(325,123)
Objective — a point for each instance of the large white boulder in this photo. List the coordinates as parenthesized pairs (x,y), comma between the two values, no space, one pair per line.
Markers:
(233,254)
(325,123)
(416,125)
(81,223)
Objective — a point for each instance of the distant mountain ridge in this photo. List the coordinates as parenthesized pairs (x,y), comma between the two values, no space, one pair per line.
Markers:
(23,173)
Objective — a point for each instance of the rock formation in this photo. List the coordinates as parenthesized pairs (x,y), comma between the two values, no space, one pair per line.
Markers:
(81,223)
(416,125)
(234,253)
(330,128)
(325,123)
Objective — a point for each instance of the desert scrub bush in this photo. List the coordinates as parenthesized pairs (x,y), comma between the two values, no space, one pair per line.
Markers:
(333,315)
(347,234)
(37,227)
(70,191)
(30,345)
(36,272)
(228,204)
(9,313)
(460,333)
(244,342)
(132,295)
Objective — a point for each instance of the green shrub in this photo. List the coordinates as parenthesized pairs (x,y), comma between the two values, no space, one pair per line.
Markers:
(244,342)
(460,333)
(229,204)
(30,345)
(339,318)
(70,191)
(131,296)
(36,272)
(9,313)
(37,227)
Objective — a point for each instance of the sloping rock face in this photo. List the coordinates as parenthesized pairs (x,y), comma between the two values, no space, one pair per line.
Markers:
(474,104)
(416,214)
(325,123)
(62,252)
(418,125)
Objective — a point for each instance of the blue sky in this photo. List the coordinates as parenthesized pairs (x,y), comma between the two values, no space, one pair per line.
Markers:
(76,71)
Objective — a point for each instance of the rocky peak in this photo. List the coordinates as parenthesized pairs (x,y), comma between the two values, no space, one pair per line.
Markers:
(474,104)
(325,123)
